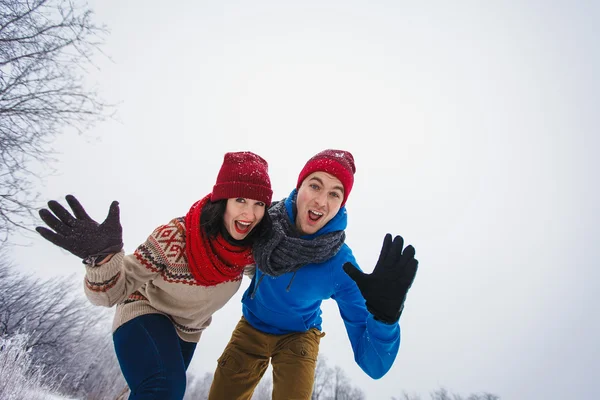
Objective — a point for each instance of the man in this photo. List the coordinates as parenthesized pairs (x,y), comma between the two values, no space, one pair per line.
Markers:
(301,262)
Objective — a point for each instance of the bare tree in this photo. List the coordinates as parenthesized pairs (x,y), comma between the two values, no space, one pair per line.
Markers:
(45,46)
(49,310)
(333,384)
(64,332)
(264,389)
(323,375)
(19,378)
(341,388)
(198,388)
(483,396)
(444,394)
(339,383)
(103,379)
(406,396)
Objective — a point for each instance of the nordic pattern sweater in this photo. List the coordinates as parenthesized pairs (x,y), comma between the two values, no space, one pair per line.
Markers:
(155,279)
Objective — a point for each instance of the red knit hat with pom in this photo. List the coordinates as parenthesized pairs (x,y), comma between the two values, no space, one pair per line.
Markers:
(243,174)
(339,163)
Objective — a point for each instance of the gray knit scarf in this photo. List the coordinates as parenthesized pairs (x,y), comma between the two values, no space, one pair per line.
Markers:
(282,250)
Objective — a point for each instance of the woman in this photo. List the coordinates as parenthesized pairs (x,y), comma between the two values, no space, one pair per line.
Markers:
(168,289)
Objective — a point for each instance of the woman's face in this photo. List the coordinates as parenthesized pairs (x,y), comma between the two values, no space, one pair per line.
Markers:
(242,215)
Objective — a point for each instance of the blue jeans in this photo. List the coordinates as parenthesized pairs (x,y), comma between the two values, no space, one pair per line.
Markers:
(153,358)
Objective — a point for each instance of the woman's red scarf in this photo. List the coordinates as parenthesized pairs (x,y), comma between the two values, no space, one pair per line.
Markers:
(212,260)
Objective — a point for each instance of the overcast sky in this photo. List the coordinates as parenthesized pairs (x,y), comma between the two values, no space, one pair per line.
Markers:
(474,126)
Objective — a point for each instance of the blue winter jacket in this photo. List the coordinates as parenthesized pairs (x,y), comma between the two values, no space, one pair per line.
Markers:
(280,305)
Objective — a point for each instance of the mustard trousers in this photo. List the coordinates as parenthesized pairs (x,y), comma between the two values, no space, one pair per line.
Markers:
(247,356)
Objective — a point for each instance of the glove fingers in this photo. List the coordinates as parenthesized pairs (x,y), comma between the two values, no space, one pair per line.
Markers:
(385,249)
(114,213)
(54,222)
(409,252)
(77,208)
(410,272)
(354,273)
(51,236)
(61,212)
(395,251)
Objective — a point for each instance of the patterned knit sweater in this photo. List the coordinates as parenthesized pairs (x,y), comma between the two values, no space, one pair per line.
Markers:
(155,279)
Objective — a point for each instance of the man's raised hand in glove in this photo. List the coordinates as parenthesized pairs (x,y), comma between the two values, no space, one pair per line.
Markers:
(384,290)
(80,234)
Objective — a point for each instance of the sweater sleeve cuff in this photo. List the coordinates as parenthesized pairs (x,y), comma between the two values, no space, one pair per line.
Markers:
(105,271)
(382,331)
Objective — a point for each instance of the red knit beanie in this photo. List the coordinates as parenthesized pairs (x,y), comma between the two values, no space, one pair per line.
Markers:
(339,163)
(243,174)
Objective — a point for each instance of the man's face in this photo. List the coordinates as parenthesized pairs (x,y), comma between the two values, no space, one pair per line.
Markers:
(319,199)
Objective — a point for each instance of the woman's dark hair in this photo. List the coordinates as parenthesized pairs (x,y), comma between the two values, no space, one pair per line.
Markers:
(211,221)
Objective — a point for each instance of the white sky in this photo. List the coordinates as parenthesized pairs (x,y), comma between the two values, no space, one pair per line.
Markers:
(474,127)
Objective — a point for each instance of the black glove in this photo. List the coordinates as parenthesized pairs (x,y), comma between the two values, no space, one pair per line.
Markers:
(81,235)
(385,289)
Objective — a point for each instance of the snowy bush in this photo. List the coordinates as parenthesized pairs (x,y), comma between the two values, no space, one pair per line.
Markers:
(19,378)
(57,329)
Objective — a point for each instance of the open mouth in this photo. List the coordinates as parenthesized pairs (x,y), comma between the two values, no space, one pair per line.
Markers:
(314,215)
(242,227)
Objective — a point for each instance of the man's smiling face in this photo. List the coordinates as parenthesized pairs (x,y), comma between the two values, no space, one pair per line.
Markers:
(319,199)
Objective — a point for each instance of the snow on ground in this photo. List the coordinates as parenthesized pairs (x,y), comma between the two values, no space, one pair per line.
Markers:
(40,395)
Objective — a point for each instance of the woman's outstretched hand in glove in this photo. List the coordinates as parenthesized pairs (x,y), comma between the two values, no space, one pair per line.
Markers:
(80,234)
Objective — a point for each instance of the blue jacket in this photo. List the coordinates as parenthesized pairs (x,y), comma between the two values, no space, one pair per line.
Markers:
(280,305)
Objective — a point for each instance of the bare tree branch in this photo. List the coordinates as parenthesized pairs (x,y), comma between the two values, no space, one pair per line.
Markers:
(63,332)
(45,46)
